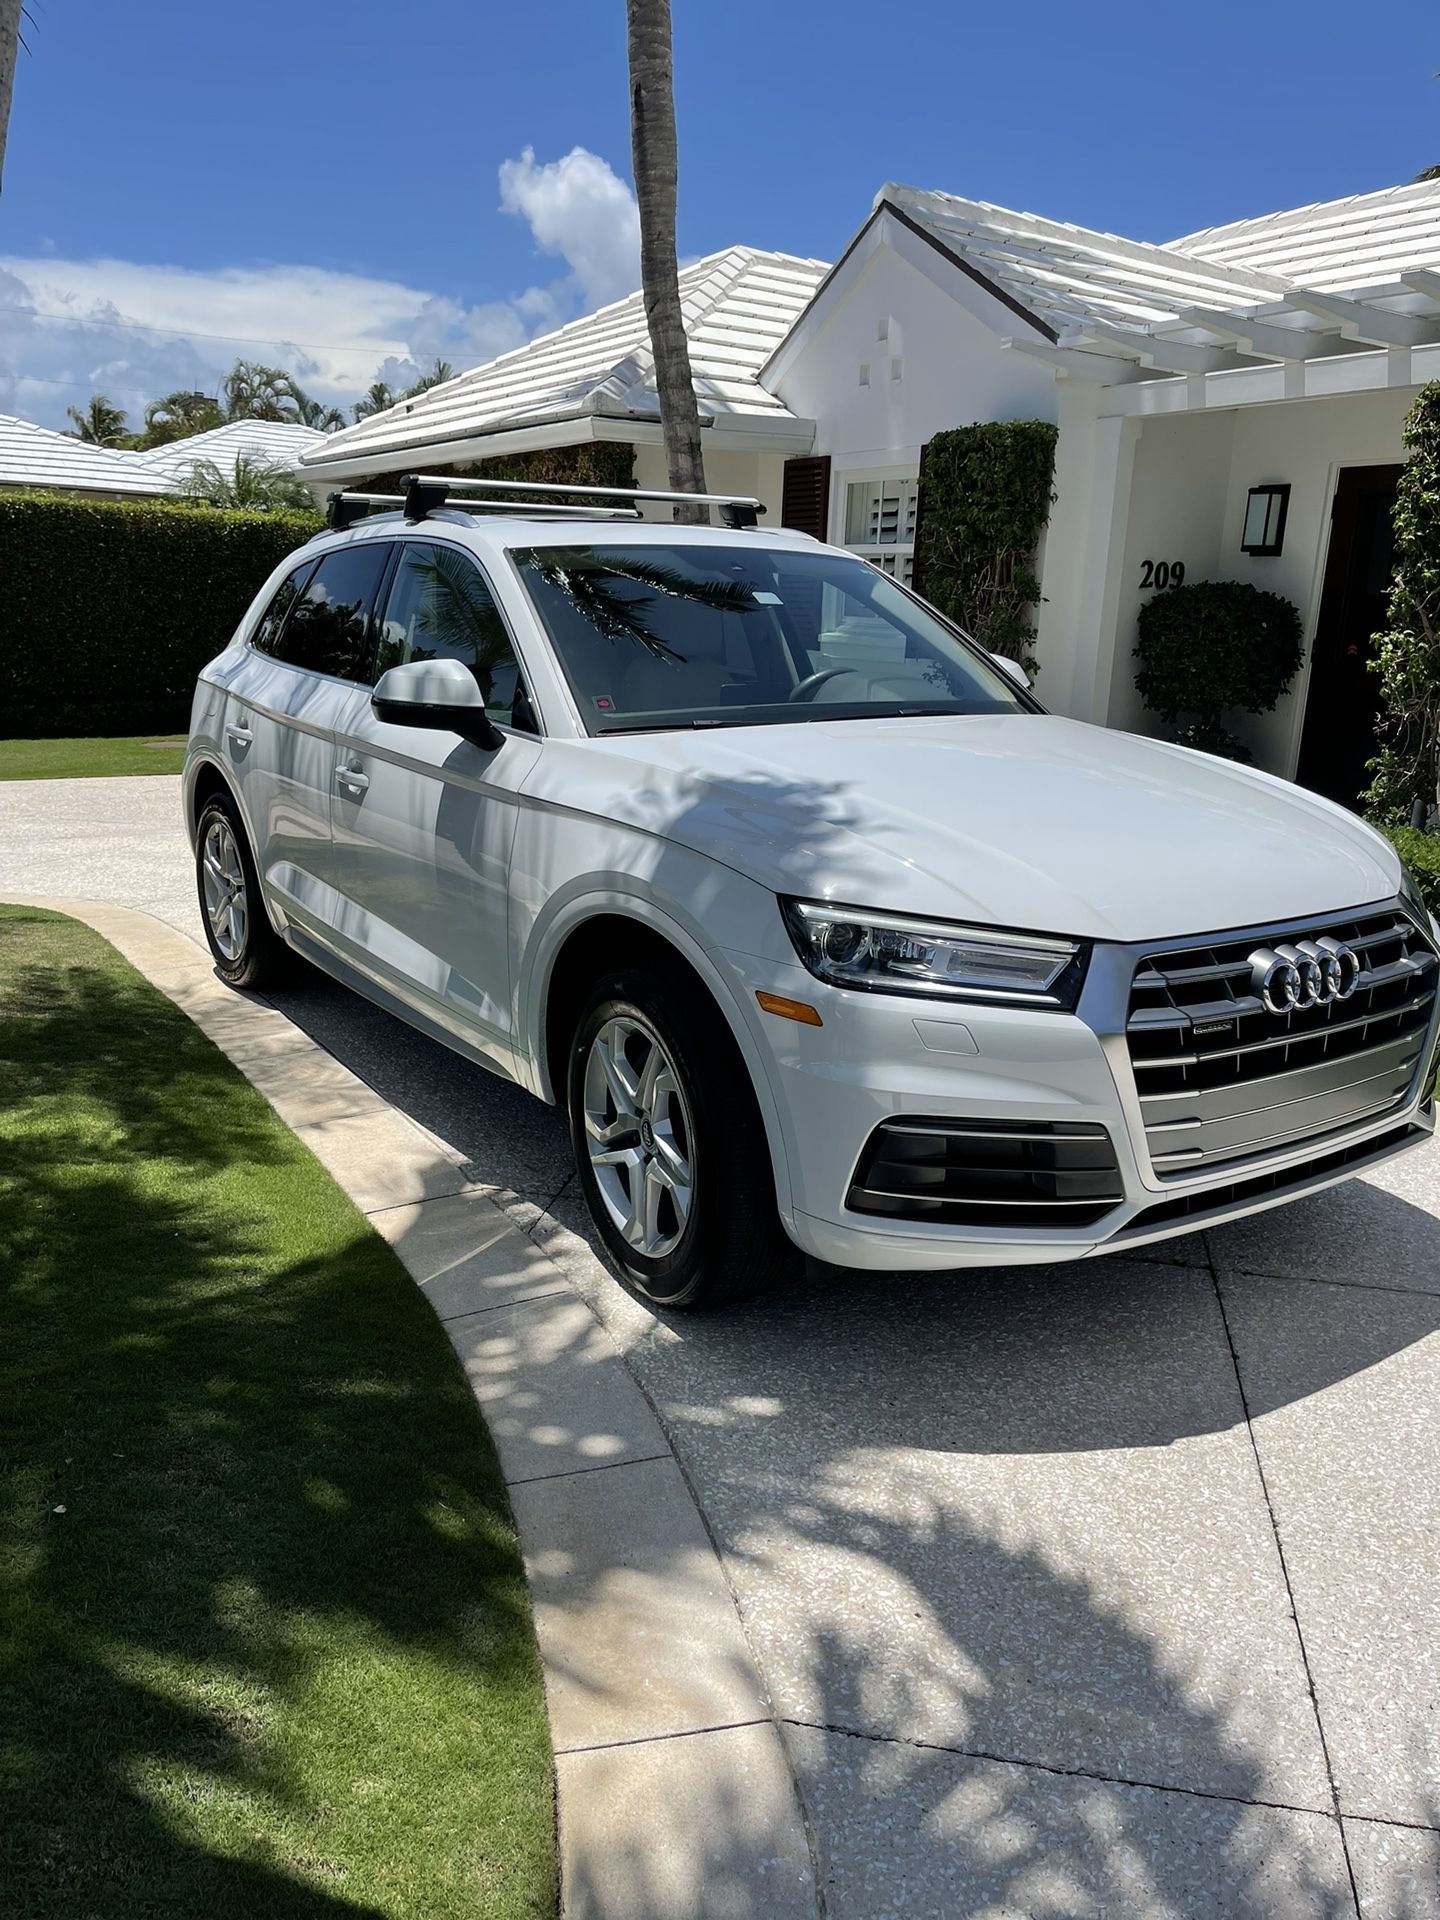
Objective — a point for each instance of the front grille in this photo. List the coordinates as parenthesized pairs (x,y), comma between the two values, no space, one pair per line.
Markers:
(992,1173)
(1221,1078)
(1204,1200)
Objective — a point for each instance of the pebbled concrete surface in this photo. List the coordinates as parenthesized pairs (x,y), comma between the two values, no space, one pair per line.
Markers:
(1073,1594)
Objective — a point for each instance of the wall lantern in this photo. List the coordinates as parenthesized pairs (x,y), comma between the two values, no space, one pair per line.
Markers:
(1265,511)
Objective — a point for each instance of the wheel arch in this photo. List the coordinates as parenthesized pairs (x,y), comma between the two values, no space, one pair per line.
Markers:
(601,934)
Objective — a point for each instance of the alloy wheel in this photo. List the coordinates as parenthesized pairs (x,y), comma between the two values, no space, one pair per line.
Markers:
(227,905)
(639,1135)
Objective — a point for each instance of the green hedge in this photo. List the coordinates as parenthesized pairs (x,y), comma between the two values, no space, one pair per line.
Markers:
(985,498)
(1421,854)
(109,608)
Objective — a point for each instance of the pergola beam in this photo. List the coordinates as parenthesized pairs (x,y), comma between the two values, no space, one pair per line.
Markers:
(1155,351)
(1373,326)
(1076,363)
(1256,337)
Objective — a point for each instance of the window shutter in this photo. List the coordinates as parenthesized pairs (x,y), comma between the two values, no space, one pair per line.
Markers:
(917,565)
(805,502)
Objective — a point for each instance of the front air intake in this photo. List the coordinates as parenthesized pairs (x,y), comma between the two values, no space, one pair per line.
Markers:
(988,1173)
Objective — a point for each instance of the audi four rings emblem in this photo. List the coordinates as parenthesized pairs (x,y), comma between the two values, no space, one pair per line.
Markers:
(1312,973)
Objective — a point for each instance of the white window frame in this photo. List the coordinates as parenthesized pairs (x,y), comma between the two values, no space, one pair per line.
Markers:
(896,556)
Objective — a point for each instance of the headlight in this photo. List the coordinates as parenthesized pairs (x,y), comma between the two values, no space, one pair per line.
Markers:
(883,953)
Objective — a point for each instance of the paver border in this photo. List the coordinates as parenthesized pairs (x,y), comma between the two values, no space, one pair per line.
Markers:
(641,1640)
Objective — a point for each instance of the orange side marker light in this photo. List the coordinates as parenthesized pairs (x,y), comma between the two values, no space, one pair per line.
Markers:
(800,1010)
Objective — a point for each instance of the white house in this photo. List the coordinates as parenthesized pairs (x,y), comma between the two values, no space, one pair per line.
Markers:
(595,380)
(1280,352)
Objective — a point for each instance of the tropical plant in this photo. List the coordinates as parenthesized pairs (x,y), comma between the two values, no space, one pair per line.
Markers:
(1212,648)
(439,373)
(985,495)
(176,416)
(1407,654)
(99,424)
(255,485)
(656,165)
(315,413)
(11,12)
(379,399)
(256,392)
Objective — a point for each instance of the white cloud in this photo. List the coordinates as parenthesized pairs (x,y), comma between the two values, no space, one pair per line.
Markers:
(581,210)
(135,331)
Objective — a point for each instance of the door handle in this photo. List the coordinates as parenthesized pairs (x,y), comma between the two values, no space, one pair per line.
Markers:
(352,778)
(239,736)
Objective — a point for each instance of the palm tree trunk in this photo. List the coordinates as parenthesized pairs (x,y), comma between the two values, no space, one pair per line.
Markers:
(652,142)
(9,46)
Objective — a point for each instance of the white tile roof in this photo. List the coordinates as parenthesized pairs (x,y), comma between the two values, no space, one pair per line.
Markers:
(1066,275)
(1367,240)
(32,456)
(275,441)
(738,306)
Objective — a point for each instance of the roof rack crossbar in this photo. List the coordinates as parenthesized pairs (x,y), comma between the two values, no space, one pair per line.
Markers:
(736,509)
(422,498)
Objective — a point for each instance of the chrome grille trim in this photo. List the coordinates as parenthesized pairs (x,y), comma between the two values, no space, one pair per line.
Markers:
(1220,1080)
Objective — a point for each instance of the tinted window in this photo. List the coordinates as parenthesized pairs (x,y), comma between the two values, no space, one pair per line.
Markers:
(328,628)
(273,618)
(440,608)
(661,636)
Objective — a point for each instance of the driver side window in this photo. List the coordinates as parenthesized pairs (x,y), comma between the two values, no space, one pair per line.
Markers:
(441,608)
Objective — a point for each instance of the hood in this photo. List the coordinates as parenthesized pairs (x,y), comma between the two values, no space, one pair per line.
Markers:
(1012,820)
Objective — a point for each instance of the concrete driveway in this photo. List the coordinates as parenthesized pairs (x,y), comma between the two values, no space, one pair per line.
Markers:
(1108,1589)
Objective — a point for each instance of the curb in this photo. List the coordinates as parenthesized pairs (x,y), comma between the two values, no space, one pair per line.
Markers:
(676,1797)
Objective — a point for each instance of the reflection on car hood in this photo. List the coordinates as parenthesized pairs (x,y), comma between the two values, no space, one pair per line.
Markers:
(1016,820)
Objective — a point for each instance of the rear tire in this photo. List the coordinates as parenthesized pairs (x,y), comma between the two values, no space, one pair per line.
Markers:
(247,951)
(670,1146)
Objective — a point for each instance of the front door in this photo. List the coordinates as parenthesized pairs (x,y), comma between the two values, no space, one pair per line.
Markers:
(1343,699)
(424,821)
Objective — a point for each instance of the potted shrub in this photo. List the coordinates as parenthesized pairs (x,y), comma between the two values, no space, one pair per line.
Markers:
(1212,648)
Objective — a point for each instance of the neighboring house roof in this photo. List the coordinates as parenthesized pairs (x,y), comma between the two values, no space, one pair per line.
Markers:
(274,441)
(32,456)
(738,306)
(1363,241)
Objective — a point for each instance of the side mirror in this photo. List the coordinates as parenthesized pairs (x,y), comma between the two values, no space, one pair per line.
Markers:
(1013,667)
(440,694)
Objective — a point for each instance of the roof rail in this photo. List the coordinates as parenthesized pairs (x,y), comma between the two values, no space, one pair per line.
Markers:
(736,509)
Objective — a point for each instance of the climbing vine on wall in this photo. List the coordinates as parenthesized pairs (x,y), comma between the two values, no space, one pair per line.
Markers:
(985,497)
(1407,653)
(594,463)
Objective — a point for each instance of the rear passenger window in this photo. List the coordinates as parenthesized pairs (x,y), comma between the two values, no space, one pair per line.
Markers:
(329,626)
(273,618)
(440,608)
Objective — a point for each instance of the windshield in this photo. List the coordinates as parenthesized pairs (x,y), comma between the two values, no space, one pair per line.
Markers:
(655,637)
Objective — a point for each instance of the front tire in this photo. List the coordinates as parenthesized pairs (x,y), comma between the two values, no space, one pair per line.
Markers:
(247,951)
(670,1146)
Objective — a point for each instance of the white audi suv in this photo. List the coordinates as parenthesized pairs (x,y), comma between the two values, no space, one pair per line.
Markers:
(821,930)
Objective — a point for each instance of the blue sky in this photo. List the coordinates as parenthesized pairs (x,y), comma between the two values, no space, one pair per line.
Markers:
(323,178)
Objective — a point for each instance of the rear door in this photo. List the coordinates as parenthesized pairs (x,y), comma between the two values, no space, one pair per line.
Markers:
(423,821)
(307,654)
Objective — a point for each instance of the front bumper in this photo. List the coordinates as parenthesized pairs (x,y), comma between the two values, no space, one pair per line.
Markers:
(880,1056)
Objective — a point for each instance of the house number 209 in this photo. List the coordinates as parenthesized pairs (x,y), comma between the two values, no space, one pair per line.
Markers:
(1161,573)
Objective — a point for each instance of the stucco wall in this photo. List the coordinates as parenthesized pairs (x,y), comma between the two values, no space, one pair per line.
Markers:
(952,369)
(1190,478)
(758,475)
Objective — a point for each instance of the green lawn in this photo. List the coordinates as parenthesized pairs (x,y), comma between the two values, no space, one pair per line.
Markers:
(77,759)
(265,1642)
